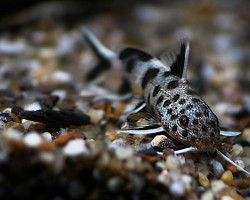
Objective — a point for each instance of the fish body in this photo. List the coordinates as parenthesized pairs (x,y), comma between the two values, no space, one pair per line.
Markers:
(172,105)
(183,115)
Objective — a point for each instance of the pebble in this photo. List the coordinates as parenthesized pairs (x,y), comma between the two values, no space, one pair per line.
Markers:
(172,162)
(33,106)
(27,123)
(47,53)
(237,150)
(217,186)
(2,124)
(12,134)
(227,177)
(5,117)
(187,180)
(217,168)
(12,47)
(227,198)
(95,115)
(61,76)
(137,181)
(203,180)
(177,189)
(32,139)
(76,147)
(123,152)
(203,167)
(208,195)
(114,184)
(163,178)
(47,136)
(47,157)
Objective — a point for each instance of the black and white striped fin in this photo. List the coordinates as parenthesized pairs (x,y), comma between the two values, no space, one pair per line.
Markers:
(104,54)
(176,58)
(230,133)
(100,50)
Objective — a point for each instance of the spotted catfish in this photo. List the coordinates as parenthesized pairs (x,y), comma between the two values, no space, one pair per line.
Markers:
(182,114)
(171,106)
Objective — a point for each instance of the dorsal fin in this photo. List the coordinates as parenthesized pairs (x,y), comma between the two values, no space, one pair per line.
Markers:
(131,51)
(176,58)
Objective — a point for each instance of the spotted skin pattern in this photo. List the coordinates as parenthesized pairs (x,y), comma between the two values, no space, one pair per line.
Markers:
(185,117)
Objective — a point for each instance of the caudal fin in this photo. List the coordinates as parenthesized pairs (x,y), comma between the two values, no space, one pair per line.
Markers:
(103,54)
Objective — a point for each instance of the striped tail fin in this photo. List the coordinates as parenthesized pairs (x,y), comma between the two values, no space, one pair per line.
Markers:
(103,54)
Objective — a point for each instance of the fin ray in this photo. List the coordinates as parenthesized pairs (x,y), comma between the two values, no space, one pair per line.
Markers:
(143,131)
(230,133)
(177,58)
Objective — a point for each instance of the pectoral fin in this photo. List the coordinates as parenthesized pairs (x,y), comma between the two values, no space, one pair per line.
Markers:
(141,123)
(230,133)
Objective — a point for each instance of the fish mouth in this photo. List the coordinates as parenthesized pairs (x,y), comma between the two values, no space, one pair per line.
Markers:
(207,144)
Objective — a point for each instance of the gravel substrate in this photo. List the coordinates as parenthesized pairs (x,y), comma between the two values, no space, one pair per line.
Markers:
(71,148)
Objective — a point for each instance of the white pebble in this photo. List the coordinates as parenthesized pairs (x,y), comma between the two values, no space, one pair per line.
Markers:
(177,189)
(12,134)
(61,76)
(237,150)
(76,147)
(217,186)
(32,139)
(227,198)
(208,195)
(33,107)
(123,152)
(96,115)
(27,123)
(47,53)
(187,180)
(12,47)
(47,157)
(172,162)
(240,163)
(47,136)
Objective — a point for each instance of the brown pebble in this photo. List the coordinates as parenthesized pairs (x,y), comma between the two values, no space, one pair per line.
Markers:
(227,177)
(47,146)
(232,168)
(230,192)
(203,180)
(62,140)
